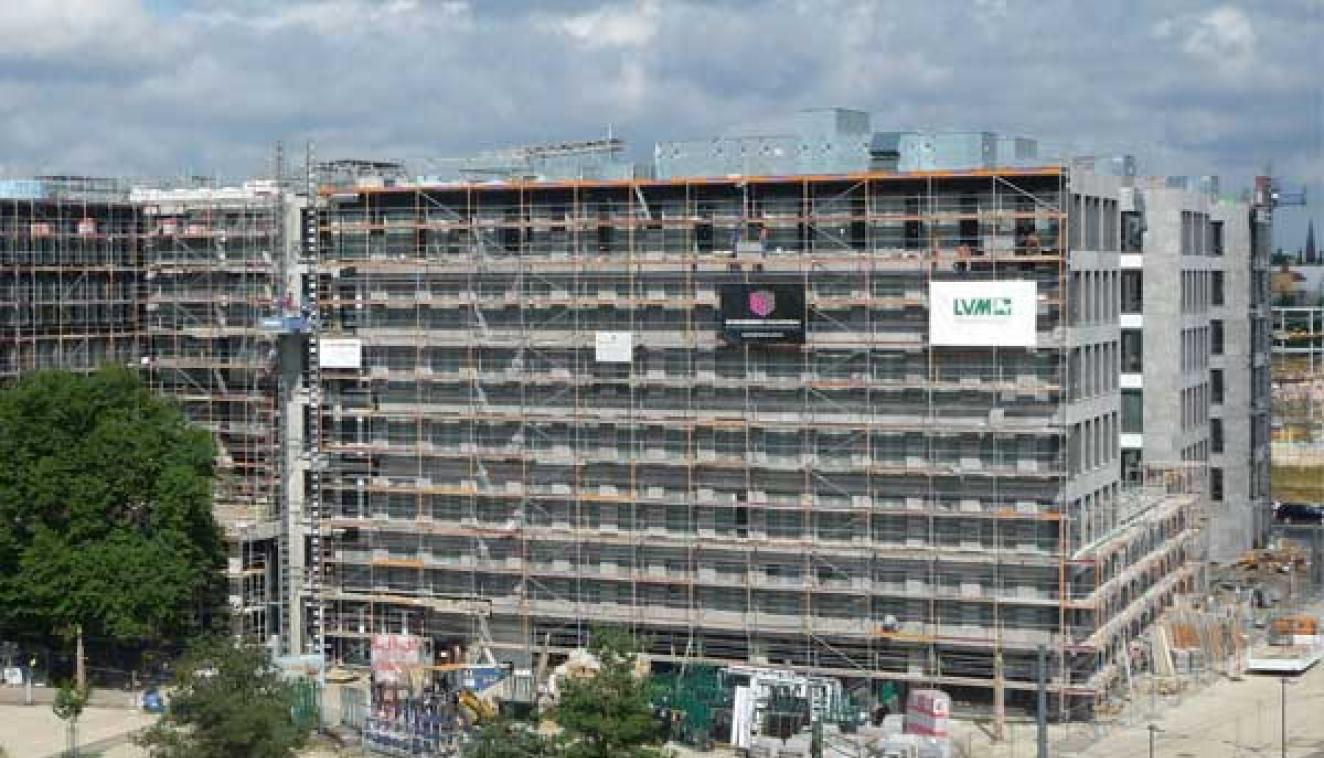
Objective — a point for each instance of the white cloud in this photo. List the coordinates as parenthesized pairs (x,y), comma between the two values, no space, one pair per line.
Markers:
(991,15)
(632,25)
(107,86)
(95,28)
(1224,37)
(339,18)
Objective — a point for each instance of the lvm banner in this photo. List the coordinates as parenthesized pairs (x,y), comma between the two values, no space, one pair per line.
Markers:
(983,314)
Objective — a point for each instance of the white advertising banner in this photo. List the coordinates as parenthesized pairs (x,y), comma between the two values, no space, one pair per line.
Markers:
(614,347)
(340,354)
(983,314)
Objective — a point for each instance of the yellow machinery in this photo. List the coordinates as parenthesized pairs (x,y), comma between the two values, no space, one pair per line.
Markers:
(476,709)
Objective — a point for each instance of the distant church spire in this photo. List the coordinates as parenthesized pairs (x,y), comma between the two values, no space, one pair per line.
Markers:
(1311,257)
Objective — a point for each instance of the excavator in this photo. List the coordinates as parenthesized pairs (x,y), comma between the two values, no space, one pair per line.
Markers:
(475,709)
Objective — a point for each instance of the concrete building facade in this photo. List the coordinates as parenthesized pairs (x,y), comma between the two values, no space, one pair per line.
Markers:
(1241,408)
(1195,348)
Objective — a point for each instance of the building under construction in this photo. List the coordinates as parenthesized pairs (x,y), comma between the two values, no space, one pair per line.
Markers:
(69,270)
(1298,401)
(212,265)
(862,423)
(175,282)
(841,400)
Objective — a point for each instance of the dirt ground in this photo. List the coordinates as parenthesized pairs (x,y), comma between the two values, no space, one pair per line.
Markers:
(1226,719)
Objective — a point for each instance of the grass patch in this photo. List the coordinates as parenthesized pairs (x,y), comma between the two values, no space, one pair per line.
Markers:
(1298,483)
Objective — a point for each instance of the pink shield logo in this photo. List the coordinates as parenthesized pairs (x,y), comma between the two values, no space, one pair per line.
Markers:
(762,303)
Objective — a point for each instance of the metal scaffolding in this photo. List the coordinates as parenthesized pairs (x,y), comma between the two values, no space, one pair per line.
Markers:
(212,273)
(69,273)
(1298,361)
(863,504)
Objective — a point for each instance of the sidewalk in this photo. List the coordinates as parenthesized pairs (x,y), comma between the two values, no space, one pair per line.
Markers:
(35,732)
(100,698)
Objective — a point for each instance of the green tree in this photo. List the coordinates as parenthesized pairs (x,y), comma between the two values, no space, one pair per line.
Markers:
(105,512)
(609,715)
(230,701)
(68,706)
(510,739)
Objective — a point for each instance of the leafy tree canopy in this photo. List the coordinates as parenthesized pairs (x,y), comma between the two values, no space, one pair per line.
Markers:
(69,703)
(230,701)
(509,739)
(609,715)
(604,716)
(105,511)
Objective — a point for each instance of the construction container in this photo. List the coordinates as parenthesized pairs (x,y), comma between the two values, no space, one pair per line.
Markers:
(928,713)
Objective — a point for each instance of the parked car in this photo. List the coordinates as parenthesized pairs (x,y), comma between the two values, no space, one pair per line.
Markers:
(153,701)
(1298,513)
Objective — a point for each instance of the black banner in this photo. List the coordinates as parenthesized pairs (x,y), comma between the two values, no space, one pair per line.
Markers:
(768,313)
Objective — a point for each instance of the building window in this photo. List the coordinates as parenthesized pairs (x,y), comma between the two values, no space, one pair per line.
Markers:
(1216,385)
(1216,336)
(1131,460)
(1133,232)
(1216,294)
(1216,484)
(1133,351)
(1133,291)
(1073,449)
(1074,295)
(1133,412)
(1216,238)
(1216,434)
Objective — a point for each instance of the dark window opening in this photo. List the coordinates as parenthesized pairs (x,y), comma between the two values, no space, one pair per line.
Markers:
(1131,462)
(1133,351)
(914,230)
(1133,412)
(1133,232)
(1133,292)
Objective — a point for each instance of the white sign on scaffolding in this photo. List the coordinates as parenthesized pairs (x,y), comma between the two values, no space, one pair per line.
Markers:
(340,353)
(614,347)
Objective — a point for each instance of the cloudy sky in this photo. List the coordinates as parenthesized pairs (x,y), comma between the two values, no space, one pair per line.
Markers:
(152,87)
